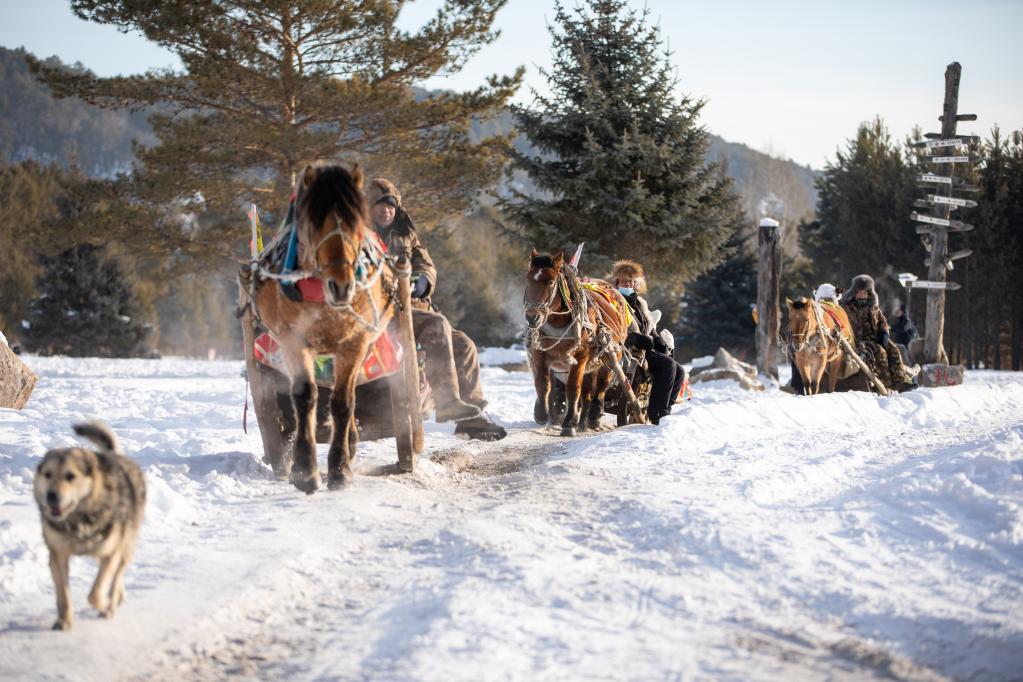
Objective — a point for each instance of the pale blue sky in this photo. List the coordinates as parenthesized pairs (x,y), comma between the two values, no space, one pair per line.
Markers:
(792,78)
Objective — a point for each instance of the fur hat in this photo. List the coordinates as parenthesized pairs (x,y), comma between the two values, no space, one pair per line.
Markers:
(861,283)
(629,269)
(380,188)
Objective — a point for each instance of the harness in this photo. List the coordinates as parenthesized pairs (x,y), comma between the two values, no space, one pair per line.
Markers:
(368,267)
(542,331)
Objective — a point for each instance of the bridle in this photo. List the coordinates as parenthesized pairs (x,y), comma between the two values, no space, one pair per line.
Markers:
(368,255)
(543,309)
(806,335)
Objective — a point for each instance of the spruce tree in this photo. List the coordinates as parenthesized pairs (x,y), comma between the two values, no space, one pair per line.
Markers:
(717,308)
(84,307)
(618,154)
(269,85)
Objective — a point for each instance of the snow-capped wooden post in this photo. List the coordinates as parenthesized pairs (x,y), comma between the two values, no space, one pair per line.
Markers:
(768,296)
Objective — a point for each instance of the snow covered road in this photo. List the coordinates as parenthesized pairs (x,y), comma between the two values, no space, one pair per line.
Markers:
(759,537)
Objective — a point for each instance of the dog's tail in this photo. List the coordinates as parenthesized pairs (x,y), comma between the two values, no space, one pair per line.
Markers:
(100,434)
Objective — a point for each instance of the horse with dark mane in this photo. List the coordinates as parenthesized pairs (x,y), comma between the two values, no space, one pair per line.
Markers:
(812,329)
(337,248)
(571,329)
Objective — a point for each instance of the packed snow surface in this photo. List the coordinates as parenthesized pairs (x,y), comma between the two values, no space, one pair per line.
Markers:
(748,537)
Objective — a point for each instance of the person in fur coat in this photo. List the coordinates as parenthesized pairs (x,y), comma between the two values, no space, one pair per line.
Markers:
(629,279)
(873,335)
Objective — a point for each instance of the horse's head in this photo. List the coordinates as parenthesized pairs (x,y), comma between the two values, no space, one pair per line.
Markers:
(801,322)
(541,287)
(332,225)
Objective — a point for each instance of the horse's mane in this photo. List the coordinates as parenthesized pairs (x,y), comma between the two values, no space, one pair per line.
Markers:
(334,191)
(800,303)
(541,261)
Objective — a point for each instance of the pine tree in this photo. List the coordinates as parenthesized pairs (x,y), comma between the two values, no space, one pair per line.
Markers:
(619,155)
(84,308)
(865,198)
(269,85)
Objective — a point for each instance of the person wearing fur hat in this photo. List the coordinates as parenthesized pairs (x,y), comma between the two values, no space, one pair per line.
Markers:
(629,279)
(452,363)
(873,335)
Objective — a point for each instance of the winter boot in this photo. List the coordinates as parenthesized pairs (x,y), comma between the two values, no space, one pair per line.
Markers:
(480,428)
(457,411)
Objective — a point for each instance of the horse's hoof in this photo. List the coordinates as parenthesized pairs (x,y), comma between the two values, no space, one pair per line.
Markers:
(338,482)
(567,430)
(307,484)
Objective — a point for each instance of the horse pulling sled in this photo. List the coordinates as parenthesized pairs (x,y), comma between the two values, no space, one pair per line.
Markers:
(575,330)
(354,307)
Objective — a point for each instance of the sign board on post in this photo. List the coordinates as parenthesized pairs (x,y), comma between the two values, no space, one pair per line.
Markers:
(925,284)
(950,225)
(951,201)
(951,159)
(936,141)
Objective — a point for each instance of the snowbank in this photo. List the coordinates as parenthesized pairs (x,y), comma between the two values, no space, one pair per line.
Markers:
(747,537)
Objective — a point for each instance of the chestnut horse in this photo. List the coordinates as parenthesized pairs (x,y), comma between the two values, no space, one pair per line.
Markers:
(812,327)
(571,331)
(335,245)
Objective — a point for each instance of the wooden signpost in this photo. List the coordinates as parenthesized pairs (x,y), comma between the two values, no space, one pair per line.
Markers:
(938,223)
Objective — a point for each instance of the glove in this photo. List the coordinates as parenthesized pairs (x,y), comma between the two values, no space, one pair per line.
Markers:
(883,341)
(641,341)
(420,285)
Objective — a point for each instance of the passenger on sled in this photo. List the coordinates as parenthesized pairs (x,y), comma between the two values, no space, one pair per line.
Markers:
(452,364)
(873,335)
(668,376)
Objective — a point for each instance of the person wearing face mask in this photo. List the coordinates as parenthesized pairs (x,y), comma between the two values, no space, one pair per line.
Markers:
(452,364)
(873,335)
(629,279)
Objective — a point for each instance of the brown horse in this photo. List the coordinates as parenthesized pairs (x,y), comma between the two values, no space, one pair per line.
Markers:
(571,329)
(812,327)
(335,246)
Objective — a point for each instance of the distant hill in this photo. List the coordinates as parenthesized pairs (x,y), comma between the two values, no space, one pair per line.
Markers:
(34,124)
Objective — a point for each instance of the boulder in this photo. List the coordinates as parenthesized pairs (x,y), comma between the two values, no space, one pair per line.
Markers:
(16,380)
(725,366)
(938,374)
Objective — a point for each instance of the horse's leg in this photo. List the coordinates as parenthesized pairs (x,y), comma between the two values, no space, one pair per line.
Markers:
(342,409)
(819,367)
(834,368)
(601,382)
(542,382)
(585,393)
(304,474)
(573,387)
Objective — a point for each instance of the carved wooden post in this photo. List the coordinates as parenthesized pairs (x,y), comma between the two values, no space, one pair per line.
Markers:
(768,296)
(934,336)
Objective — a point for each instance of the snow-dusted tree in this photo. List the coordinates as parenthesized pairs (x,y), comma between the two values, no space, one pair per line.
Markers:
(618,155)
(84,307)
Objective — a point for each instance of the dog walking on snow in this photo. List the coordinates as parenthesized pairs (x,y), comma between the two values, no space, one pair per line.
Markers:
(91,504)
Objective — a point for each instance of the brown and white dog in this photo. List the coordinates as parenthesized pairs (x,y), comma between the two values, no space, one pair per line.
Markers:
(91,504)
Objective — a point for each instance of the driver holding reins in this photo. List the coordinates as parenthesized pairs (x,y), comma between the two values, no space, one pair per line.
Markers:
(452,364)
